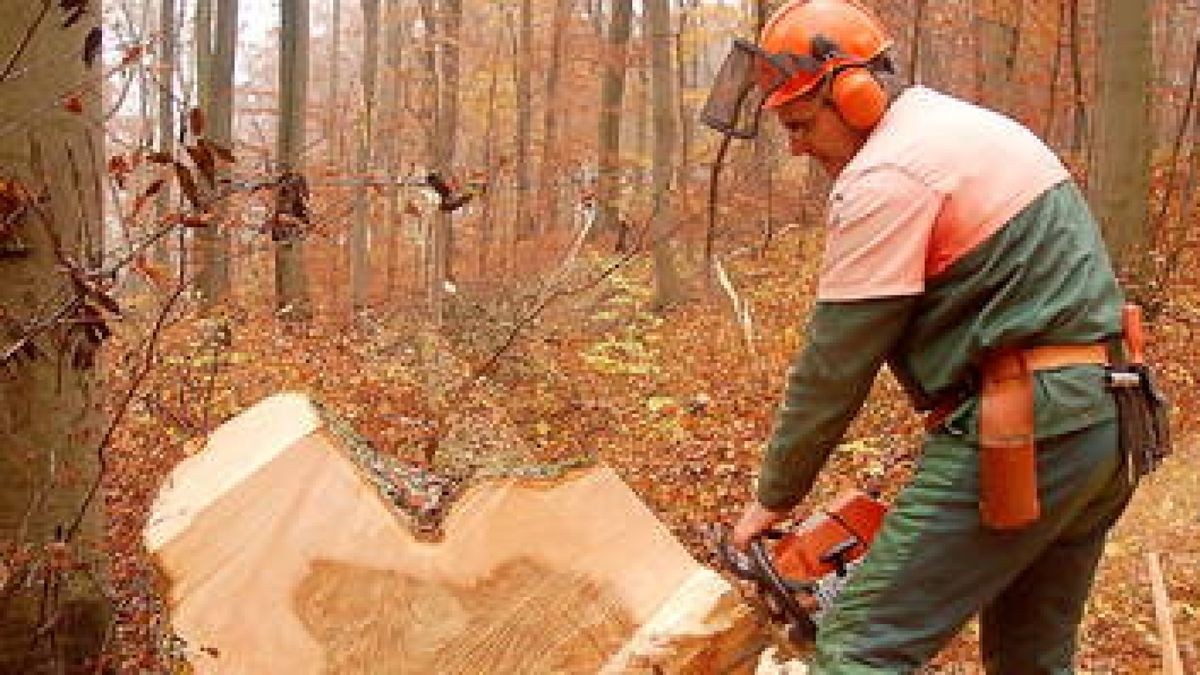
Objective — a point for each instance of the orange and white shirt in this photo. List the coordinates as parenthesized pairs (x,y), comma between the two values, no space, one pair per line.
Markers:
(935,179)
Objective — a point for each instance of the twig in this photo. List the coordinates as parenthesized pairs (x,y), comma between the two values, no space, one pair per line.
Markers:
(554,293)
(25,40)
(134,385)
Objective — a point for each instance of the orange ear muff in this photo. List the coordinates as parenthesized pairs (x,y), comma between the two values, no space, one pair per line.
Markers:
(859,98)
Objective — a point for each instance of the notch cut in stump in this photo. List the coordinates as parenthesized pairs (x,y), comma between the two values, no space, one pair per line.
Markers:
(278,554)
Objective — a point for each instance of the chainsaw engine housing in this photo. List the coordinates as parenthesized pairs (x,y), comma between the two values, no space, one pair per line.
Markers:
(798,572)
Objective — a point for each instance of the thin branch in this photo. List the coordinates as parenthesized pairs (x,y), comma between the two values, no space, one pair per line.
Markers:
(640,246)
(135,384)
(25,40)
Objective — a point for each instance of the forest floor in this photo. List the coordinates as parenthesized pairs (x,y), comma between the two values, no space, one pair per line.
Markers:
(678,402)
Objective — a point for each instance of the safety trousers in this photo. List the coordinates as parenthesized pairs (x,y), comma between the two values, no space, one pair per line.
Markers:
(933,565)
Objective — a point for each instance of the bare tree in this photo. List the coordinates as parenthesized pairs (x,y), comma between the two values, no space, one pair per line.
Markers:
(291,211)
(612,96)
(360,272)
(1121,184)
(333,106)
(668,289)
(524,112)
(393,100)
(166,104)
(998,26)
(213,242)
(549,180)
(444,148)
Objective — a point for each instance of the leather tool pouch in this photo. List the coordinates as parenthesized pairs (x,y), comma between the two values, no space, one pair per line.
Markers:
(1142,413)
(1141,408)
(1008,486)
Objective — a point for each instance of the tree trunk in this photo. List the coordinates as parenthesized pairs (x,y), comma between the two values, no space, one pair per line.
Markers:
(166,112)
(291,280)
(915,73)
(52,619)
(686,116)
(524,115)
(668,289)
(549,190)
(998,25)
(360,272)
(1080,119)
(612,96)
(445,136)
(392,97)
(203,52)
(146,86)
(213,242)
(487,216)
(1121,188)
(334,138)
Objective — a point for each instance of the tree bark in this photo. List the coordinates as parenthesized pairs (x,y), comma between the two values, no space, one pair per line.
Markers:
(668,289)
(392,97)
(524,69)
(549,182)
(334,138)
(51,620)
(203,52)
(445,149)
(360,271)
(291,280)
(612,96)
(1121,185)
(213,242)
(487,227)
(166,112)
(998,25)
(686,115)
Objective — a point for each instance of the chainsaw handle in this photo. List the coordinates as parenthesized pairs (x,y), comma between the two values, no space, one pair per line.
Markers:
(740,563)
(767,576)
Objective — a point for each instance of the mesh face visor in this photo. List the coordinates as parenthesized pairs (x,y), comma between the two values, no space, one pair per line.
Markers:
(746,78)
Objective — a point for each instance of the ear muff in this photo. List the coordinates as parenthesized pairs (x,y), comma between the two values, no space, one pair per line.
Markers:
(858,97)
(856,94)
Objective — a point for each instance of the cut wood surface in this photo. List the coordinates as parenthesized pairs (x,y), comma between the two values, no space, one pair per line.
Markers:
(278,555)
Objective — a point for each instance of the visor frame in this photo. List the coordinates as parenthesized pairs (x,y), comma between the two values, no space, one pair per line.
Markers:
(743,72)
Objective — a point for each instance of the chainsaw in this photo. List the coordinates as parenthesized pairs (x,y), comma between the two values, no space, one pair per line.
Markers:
(797,572)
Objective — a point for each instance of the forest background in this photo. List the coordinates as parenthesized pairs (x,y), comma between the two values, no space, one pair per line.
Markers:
(203,202)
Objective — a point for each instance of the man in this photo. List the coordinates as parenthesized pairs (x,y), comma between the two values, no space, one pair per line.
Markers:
(960,253)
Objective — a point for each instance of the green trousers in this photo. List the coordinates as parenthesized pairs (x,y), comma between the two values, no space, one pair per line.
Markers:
(933,565)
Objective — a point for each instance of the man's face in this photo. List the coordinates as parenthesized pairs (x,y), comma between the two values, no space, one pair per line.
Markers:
(815,129)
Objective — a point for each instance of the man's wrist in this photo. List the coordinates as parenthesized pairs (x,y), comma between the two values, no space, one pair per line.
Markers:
(775,497)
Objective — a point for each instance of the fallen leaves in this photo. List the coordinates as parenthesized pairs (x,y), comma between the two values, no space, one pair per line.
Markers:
(679,417)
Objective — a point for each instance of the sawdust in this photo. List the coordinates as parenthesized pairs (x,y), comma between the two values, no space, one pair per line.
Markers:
(524,618)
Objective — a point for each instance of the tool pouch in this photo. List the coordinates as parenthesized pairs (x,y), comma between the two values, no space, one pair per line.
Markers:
(1141,408)
(1142,413)
(1008,486)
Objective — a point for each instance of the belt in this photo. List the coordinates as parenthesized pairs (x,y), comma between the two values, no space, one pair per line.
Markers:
(1045,357)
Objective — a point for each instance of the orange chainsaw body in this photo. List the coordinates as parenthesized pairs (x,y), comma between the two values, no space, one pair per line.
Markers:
(849,523)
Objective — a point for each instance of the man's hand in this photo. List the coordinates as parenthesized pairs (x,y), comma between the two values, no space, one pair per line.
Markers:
(755,519)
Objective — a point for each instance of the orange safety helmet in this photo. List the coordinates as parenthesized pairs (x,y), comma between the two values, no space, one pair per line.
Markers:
(841,37)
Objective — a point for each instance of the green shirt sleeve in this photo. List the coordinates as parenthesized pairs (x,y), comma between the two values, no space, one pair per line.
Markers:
(826,386)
